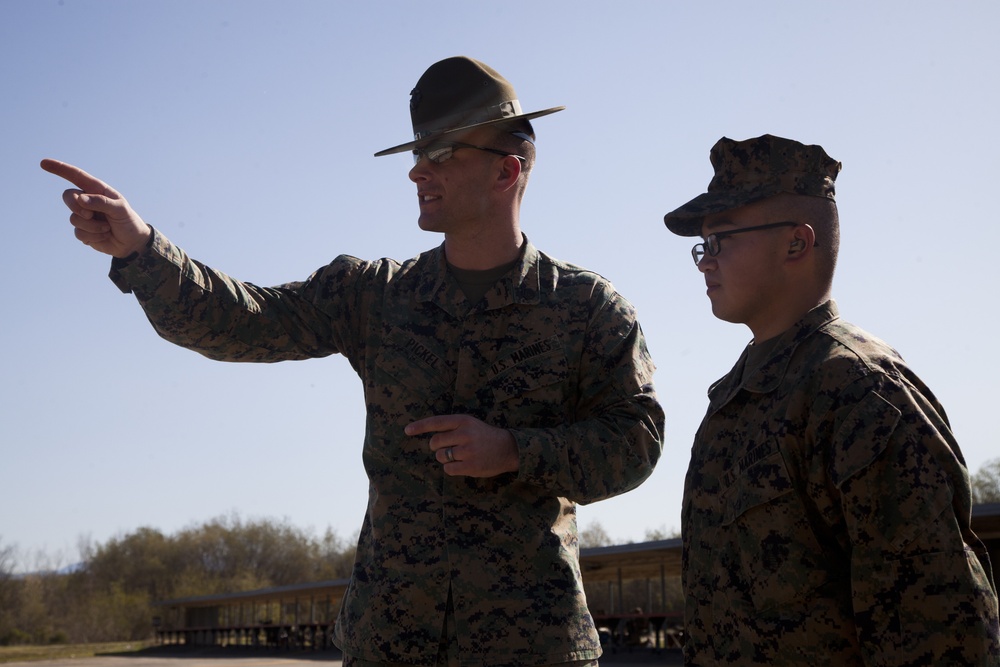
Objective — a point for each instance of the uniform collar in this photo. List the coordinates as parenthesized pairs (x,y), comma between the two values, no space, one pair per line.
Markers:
(519,286)
(769,374)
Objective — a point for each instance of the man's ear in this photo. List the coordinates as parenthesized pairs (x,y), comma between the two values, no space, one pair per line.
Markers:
(510,171)
(803,237)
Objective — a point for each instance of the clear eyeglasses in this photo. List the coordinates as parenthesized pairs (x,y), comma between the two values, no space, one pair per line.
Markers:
(712,245)
(442,151)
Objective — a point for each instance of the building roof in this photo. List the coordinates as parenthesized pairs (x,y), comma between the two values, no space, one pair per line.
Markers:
(986,521)
(641,560)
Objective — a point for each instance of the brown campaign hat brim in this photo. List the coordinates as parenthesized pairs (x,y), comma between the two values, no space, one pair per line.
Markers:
(453,133)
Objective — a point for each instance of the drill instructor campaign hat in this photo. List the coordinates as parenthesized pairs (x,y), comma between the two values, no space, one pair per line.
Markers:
(456,95)
(755,169)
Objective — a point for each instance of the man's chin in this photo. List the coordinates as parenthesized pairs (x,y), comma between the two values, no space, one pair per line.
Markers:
(428,225)
(723,314)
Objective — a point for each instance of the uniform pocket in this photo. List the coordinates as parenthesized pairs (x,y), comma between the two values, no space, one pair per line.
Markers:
(532,391)
(780,557)
(409,377)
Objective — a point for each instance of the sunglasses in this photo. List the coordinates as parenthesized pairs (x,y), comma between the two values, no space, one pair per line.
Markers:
(442,152)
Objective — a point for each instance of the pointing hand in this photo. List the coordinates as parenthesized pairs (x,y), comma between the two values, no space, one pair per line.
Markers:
(102,217)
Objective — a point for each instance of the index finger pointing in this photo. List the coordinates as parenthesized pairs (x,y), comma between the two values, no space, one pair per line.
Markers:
(433,424)
(79,178)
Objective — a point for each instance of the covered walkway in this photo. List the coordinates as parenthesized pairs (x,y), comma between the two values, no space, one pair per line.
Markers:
(302,616)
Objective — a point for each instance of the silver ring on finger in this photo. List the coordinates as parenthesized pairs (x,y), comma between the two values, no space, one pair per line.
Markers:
(449,455)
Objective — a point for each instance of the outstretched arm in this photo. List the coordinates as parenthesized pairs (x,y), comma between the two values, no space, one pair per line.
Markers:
(102,217)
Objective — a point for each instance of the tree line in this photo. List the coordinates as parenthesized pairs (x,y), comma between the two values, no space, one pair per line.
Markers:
(109,595)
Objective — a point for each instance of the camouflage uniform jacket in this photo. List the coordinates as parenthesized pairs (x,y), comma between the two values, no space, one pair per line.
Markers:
(826,515)
(552,353)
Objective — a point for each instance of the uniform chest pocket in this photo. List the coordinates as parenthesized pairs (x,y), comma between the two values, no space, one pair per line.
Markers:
(531,392)
(419,365)
(765,522)
(543,373)
(760,478)
(408,379)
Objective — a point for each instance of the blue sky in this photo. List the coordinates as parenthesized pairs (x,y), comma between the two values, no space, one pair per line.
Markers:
(244,130)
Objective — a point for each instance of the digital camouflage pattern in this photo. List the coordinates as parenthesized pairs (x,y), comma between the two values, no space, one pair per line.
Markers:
(755,169)
(826,516)
(552,353)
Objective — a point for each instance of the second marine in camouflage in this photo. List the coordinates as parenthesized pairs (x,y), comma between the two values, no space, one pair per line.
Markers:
(826,512)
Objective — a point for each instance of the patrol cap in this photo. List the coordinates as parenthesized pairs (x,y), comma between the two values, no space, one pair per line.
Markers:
(755,169)
(457,94)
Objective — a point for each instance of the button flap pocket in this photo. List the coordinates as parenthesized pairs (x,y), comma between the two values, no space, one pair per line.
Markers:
(416,362)
(759,477)
(536,365)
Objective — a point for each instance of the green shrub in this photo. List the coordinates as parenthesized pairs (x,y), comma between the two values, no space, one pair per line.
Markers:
(15,637)
(59,637)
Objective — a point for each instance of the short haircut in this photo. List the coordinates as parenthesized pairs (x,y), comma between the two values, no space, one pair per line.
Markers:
(510,137)
(820,214)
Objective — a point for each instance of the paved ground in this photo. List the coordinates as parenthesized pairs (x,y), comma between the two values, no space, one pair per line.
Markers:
(238,657)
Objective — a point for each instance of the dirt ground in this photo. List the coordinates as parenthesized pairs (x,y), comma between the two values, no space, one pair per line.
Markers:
(240,657)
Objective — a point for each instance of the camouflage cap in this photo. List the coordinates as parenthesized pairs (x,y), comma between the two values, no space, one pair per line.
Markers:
(755,169)
(456,95)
